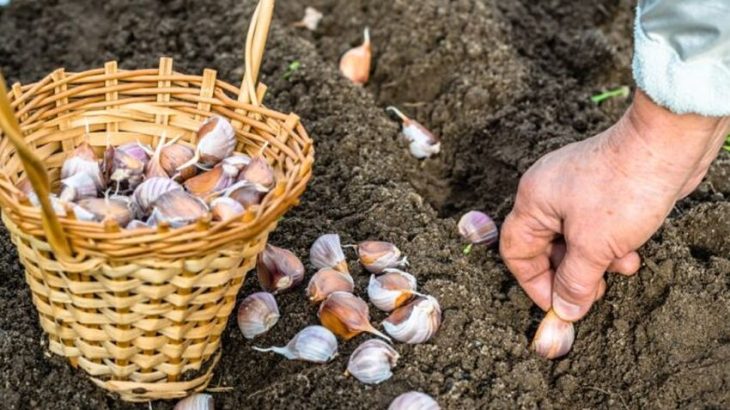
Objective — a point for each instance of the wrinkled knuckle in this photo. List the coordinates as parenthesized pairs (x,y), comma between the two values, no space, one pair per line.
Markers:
(576,290)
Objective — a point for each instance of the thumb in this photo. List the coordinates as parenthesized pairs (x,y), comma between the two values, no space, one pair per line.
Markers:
(576,284)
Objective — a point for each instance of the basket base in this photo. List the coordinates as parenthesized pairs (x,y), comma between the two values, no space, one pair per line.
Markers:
(143,392)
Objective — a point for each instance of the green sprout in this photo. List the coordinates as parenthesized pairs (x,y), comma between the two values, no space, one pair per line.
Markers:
(727,143)
(293,67)
(468,248)
(623,92)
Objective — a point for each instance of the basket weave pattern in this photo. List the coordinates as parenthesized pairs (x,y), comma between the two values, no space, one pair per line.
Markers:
(142,311)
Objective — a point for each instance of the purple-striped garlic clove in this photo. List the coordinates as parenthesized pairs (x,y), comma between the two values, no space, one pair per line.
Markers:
(198,401)
(326,252)
(224,208)
(477,228)
(377,256)
(392,289)
(312,344)
(327,281)
(414,401)
(259,173)
(77,186)
(177,208)
(209,183)
(216,141)
(416,322)
(278,269)
(372,362)
(422,143)
(554,337)
(355,63)
(151,189)
(346,315)
(257,313)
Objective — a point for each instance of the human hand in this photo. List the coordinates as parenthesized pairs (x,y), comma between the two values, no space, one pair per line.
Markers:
(587,207)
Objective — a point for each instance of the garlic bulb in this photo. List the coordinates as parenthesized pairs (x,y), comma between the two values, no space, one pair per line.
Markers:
(278,269)
(376,256)
(554,337)
(103,209)
(422,143)
(414,401)
(148,191)
(257,314)
(128,164)
(224,208)
(198,401)
(326,281)
(77,186)
(313,344)
(477,228)
(391,290)
(355,63)
(259,173)
(326,252)
(244,193)
(311,19)
(347,316)
(178,208)
(173,157)
(372,361)
(209,182)
(216,141)
(83,161)
(415,322)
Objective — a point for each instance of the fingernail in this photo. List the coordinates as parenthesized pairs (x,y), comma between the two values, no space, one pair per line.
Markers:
(566,310)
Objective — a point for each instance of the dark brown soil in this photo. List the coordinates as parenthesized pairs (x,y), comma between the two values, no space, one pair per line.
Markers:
(503,82)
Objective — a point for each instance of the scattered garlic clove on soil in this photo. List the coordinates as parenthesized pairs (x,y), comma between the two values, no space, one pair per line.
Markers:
(355,63)
(414,401)
(278,269)
(198,401)
(376,256)
(313,344)
(257,313)
(477,228)
(421,142)
(327,281)
(554,336)
(326,252)
(391,290)
(311,19)
(346,315)
(372,361)
(416,322)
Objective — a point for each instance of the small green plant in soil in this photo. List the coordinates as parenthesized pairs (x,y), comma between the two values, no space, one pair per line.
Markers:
(622,92)
(293,67)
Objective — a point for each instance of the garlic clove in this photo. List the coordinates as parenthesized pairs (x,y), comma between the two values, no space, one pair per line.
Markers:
(355,63)
(259,173)
(216,141)
(326,252)
(326,281)
(137,224)
(77,186)
(154,168)
(313,344)
(103,209)
(131,204)
(346,315)
(311,19)
(148,191)
(83,161)
(554,337)
(177,208)
(278,269)
(244,193)
(198,401)
(128,165)
(422,143)
(234,164)
(209,182)
(415,322)
(414,401)
(477,228)
(372,361)
(391,290)
(174,156)
(376,256)
(225,208)
(257,314)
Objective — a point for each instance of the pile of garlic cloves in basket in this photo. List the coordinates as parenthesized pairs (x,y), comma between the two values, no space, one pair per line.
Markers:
(174,184)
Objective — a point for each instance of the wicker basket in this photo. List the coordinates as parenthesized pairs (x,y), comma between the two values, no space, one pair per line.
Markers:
(141,311)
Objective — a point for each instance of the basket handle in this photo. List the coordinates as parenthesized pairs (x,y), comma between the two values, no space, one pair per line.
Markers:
(258,33)
(37,175)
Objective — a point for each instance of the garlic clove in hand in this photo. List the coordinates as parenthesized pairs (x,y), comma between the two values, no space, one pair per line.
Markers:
(209,182)
(259,173)
(554,337)
(355,63)
(177,208)
(376,256)
(225,208)
(477,228)
(414,401)
(421,142)
(278,269)
(346,315)
(313,344)
(326,252)
(77,186)
(216,141)
(151,189)
(257,314)
(391,290)
(372,361)
(415,322)
(198,401)
(327,281)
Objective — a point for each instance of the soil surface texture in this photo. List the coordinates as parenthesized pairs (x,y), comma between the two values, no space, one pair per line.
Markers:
(503,83)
